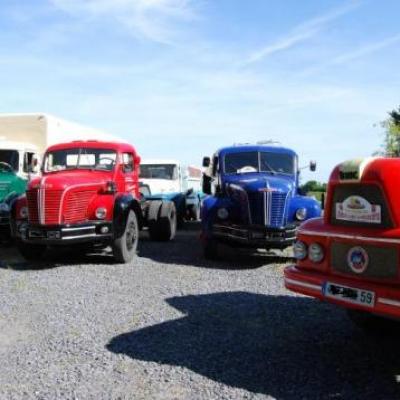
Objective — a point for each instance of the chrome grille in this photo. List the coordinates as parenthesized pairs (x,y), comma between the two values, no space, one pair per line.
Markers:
(278,206)
(52,203)
(268,208)
(32,200)
(76,204)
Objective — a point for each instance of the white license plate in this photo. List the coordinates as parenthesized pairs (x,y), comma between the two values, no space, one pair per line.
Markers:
(349,294)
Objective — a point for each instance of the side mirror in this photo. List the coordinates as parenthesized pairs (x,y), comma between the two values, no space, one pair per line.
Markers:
(206,162)
(206,184)
(313,166)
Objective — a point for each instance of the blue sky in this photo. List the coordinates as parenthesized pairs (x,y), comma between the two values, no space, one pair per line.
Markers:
(180,78)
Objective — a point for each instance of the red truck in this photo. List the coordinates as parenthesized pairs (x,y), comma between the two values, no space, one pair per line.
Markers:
(88,195)
(350,257)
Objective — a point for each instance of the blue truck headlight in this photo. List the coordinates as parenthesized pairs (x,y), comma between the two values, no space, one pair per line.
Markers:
(4,207)
(300,250)
(301,214)
(222,213)
(316,252)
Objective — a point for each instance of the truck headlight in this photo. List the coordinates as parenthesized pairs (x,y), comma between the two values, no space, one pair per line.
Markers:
(23,212)
(222,213)
(301,214)
(300,250)
(315,252)
(4,207)
(101,213)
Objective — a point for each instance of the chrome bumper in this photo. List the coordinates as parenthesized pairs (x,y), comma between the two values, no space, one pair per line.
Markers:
(55,235)
(251,236)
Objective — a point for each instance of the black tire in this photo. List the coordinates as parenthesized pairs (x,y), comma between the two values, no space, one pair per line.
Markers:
(124,248)
(373,324)
(31,252)
(153,213)
(210,249)
(164,228)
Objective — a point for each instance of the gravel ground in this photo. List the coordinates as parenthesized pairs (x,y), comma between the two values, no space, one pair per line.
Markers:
(174,326)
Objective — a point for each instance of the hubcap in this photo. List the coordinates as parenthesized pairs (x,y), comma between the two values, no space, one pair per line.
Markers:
(131,236)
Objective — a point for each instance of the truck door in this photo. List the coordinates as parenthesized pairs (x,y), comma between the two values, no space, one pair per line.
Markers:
(128,177)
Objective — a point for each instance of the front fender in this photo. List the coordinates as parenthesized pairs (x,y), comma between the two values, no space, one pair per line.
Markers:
(209,209)
(122,205)
(312,206)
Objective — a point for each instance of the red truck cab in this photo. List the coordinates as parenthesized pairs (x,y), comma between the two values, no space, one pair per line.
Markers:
(88,194)
(350,256)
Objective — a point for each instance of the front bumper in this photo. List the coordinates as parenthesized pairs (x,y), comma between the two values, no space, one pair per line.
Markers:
(255,236)
(65,234)
(387,297)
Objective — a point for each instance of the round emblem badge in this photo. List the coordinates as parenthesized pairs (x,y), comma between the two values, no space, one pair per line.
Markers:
(357,259)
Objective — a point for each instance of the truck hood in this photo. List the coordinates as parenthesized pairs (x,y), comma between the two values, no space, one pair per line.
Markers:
(254,182)
(67,179)
(9,183)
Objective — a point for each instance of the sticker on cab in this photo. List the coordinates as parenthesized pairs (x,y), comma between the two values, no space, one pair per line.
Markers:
(358,209)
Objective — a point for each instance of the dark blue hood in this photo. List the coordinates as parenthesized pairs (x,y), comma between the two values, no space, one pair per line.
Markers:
(254,181)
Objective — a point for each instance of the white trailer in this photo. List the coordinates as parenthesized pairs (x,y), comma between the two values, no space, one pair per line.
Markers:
(25,137)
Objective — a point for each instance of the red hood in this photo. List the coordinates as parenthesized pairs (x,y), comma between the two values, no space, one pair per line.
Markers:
(66,179)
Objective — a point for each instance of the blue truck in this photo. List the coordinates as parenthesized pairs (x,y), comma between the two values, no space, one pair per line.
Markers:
(254,200)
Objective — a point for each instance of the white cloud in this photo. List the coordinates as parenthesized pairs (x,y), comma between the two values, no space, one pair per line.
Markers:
(301,33)
(151,19)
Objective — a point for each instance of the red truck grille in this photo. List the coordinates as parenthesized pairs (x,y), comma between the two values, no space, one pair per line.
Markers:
(44,206)
(32,200)
(76,204)
(52,204)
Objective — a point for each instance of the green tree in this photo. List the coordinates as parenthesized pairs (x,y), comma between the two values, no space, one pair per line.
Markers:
(313,186)
(391,145)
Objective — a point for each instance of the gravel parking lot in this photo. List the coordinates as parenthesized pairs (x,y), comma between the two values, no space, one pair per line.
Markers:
(174,326)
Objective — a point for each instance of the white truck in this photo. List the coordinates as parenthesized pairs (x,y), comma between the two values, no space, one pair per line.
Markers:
(23,140)
(170,180)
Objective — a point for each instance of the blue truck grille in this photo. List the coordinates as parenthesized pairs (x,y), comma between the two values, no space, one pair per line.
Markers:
(278,206)
(268,209)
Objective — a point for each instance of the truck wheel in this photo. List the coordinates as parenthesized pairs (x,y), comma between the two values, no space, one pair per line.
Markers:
(164,228)
(31,252)
(210,249)
(124,248)
(194,212)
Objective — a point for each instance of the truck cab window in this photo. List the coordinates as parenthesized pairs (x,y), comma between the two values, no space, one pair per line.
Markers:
(10,157)
(28,162)
(127,162)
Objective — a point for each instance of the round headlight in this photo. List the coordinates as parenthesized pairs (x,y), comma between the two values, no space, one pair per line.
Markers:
(300,250)
(223,213)
(315,252)
(4,207)
(101,213)
(23,212)
(301,214)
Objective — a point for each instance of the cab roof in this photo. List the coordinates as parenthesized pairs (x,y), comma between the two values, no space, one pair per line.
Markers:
(93,144)
(255,147)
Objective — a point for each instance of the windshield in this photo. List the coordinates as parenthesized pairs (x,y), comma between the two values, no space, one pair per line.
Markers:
(80,158)
(158,171)
(9,160)
(254,161)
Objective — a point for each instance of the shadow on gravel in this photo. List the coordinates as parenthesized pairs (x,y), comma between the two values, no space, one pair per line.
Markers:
(283,346)
(186,250)
(54,258)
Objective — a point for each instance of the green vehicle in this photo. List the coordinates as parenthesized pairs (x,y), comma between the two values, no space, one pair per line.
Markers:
(17,164)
